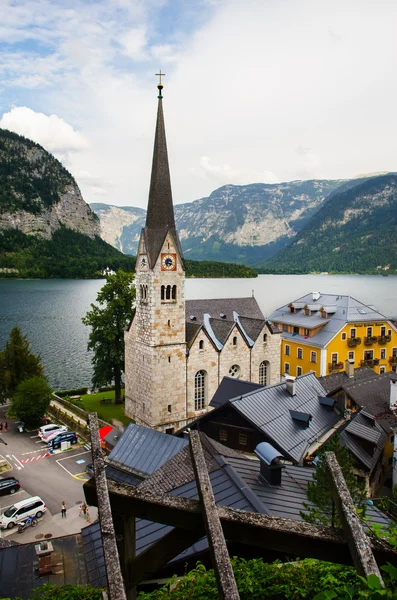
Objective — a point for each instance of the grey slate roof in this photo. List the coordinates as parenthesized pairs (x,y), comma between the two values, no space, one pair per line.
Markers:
(268,409)
(142,450)
(336,381)
(229,388)
(245,307)
(365,439)
(252,326)
(192,329)
(222,329)
(348,310)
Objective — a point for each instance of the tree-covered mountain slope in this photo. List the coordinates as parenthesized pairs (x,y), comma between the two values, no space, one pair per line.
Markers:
(354,232)
(236,223)
(37,194)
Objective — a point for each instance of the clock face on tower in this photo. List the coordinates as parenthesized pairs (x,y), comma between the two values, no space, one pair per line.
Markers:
(143,262)
(168,262)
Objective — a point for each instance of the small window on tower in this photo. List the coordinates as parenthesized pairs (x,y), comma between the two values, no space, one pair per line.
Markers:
(163,292)
(169,323)
(169,359)
(174,292)
(235,341)
(169,408)
(201,345)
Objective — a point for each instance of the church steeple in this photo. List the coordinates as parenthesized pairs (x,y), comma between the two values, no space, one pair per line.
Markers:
(160,214)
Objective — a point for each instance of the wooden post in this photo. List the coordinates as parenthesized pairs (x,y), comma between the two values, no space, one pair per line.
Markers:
(112,562)
(227,587)
(357,540)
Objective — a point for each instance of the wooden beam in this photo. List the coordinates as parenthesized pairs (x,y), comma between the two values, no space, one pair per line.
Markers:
(291,536)
(357,539)
(227,586)
(161,552)
(112,562)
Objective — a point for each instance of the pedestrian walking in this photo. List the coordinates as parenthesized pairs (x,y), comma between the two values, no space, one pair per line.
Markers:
(63,510)
(5,426)
(87,514)
(83,508)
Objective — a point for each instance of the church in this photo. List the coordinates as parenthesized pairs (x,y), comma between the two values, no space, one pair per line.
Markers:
(176,351)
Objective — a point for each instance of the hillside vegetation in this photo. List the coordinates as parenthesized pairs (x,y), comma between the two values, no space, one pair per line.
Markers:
(354,232)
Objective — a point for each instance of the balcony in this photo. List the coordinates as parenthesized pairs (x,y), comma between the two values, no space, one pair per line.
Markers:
(370,362)
(369,340)
(352,342)
(393,360)
(335,366)
(384,339)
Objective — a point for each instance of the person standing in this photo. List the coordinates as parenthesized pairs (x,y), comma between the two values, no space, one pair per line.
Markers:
(63,510)
(1,426)
(5,426)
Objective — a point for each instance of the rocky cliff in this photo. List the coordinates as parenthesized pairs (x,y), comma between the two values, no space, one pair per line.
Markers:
(37,194)
(235,223)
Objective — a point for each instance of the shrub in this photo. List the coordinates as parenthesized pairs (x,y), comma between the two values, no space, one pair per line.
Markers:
(75,392)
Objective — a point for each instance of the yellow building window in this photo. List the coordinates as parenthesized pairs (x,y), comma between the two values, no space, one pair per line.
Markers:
(313,357)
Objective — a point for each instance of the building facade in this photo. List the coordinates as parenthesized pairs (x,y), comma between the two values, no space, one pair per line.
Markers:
(321,331)
(177,352)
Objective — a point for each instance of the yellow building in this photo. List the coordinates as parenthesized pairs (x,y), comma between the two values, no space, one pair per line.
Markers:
(320,332)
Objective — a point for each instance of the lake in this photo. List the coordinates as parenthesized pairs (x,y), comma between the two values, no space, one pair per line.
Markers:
(49,312)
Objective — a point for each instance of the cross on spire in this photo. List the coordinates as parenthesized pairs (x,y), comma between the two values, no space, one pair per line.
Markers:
(160,85)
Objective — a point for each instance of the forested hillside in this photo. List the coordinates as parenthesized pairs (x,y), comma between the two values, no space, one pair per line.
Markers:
(354,232)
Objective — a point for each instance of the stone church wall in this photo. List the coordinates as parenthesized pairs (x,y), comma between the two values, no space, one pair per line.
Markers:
(238,354)
(206,360)
(266,351)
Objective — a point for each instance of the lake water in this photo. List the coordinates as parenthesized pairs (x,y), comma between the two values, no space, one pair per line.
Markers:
(49,312)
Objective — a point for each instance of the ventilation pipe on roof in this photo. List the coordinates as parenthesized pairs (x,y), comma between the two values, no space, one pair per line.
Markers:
(316,296)
(290,384)
(270,464)
(393,394)
(349,368)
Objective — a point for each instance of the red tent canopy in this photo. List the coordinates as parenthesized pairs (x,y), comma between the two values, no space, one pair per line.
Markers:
(104,431)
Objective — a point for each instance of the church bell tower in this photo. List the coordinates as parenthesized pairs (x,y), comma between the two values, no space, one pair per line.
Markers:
(155,344)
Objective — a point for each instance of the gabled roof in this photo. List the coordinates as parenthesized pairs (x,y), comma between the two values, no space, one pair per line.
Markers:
(253,327)
(245,307)
(142,450)
(268,409)
(192,330)
(365,439)
(229,388)
(345,309)
(336,381)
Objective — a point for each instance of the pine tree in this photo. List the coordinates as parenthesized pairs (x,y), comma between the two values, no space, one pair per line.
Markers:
(17,363)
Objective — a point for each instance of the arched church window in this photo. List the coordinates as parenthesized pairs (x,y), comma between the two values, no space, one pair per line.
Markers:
(141,293)
(163,292)
(201,345)
(264,368)
(234,371)
(174,292)
(235,341)
(168,293)
(199,390)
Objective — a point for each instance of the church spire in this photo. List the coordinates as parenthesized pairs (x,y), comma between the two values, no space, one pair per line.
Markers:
(160,213)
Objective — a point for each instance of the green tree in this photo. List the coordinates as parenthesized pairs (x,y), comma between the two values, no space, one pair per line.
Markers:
(107,322)
(17,363)
(31,400)
(322,511)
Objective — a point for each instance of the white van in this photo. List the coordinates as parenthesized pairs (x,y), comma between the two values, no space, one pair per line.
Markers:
(31,507)
(49,435)
(47,428)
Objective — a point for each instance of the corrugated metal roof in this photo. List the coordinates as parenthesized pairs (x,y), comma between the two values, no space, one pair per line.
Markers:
(142,450)
(268,410)
(230,388)
(365,439)
(335,381)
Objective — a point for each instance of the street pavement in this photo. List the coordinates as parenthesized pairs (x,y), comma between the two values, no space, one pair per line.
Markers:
(55,478)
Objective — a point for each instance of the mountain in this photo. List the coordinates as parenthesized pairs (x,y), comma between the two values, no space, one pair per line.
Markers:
(37,194)
(243,224)
(354,232)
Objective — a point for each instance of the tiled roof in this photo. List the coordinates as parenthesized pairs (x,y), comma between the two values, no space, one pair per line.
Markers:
(253,327)
(365,439)
(245,307)
(336,381)
(348,310)
(268,409)
(230,388)
(192,330)
(221,329)
(142,450)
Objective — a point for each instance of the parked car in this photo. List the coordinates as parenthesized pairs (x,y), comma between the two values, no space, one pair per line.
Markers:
(68,436)
(45,420)
(90,470)
(47,428)
(49,435)
(9,485)
(31,507)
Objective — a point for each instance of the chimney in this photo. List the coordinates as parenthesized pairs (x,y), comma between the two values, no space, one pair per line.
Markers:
(290,384)
(349,368)
(270,465)
(316,296)
(393,394)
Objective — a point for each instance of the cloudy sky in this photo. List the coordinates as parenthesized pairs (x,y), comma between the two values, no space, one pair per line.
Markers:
(255,90)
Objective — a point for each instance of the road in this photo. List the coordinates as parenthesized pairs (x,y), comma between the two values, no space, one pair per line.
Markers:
(55,478)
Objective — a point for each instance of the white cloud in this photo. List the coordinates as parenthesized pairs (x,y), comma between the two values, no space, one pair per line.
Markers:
(51,132)
(265,90)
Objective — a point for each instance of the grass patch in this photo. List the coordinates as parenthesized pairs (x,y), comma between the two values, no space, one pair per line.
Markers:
(106,412)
